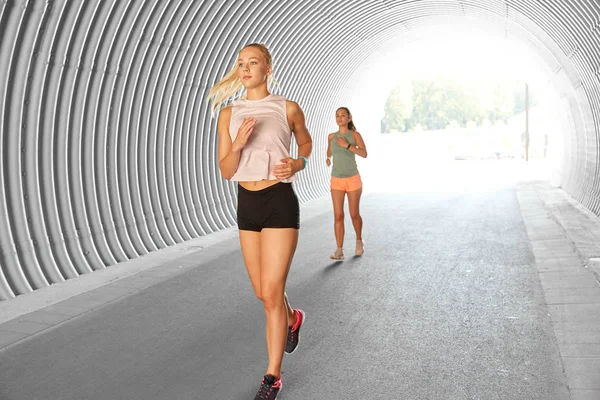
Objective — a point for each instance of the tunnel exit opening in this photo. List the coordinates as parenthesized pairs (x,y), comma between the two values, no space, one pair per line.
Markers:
(519,136)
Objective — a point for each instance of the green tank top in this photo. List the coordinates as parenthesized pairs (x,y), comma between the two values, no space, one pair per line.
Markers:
(344,161)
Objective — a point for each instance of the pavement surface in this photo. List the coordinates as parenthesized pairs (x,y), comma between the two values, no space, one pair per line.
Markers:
(471,291)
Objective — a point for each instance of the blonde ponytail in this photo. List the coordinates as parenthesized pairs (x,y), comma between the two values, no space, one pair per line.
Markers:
(231,84)
(224,89)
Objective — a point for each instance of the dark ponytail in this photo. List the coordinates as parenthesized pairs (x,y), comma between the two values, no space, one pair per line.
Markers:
(351,125)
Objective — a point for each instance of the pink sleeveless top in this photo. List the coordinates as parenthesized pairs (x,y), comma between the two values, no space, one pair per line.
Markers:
(269,141)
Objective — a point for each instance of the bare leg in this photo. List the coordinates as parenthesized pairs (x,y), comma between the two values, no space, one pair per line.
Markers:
(353,205)
(290,311)
(337,196)
(250,242)
(277,250)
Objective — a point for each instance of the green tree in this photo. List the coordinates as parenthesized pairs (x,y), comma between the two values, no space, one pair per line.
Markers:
(442,103)
(503,104)
(398,107)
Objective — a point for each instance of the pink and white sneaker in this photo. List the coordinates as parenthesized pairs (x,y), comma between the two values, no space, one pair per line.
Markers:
(269,388)
(293,337)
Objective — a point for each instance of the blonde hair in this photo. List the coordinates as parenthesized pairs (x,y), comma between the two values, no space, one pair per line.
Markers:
(230,84)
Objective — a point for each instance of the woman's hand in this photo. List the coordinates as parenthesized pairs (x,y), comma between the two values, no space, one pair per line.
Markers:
(243,134)
(342,142)
(289,167)
(328,161)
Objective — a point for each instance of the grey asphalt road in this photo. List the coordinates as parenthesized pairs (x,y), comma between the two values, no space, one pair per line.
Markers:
(445,304)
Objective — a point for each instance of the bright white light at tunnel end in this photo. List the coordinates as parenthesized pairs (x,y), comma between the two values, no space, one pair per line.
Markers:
(466,54)
(462,53)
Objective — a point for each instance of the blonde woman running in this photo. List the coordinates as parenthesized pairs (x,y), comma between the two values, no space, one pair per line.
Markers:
(343,146)
(254,149)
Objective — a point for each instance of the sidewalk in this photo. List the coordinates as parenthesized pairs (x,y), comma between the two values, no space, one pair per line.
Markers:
(565,239)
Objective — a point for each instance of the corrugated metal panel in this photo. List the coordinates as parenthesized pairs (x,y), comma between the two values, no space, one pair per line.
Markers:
(108,149)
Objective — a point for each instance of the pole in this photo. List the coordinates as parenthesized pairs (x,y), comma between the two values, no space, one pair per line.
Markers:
(526,122)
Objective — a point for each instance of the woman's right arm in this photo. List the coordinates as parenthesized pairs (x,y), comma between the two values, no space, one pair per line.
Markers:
(229,152)
(329,149)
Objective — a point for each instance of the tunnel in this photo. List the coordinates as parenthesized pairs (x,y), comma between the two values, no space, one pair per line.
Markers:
(108,145)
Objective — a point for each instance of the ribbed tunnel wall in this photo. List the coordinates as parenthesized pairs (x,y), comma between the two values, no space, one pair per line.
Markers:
(108,149)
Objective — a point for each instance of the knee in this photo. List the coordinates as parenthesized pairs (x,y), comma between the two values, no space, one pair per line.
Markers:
(271,301)
(339,216)
(355,215)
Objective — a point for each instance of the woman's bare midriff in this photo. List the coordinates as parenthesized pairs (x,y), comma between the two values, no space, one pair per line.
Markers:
(257,185)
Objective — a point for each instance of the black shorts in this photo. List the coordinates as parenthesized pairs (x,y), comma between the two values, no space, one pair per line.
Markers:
(273,207)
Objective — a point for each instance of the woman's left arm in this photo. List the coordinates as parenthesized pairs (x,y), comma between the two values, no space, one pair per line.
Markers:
(290,166)
(298,126)
(360,149)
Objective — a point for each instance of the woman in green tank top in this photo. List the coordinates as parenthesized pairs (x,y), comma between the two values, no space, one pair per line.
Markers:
(343,146)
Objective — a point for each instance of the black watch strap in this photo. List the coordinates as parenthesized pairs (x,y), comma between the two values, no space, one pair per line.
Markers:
(348,147)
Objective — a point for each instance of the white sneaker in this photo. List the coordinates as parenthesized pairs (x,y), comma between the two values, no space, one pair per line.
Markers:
(338,255)
(359,248)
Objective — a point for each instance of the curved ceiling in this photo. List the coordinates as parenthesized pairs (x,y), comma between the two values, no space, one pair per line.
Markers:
(108,146)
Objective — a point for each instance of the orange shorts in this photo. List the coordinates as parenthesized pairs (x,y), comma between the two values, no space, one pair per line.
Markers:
(349,184)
